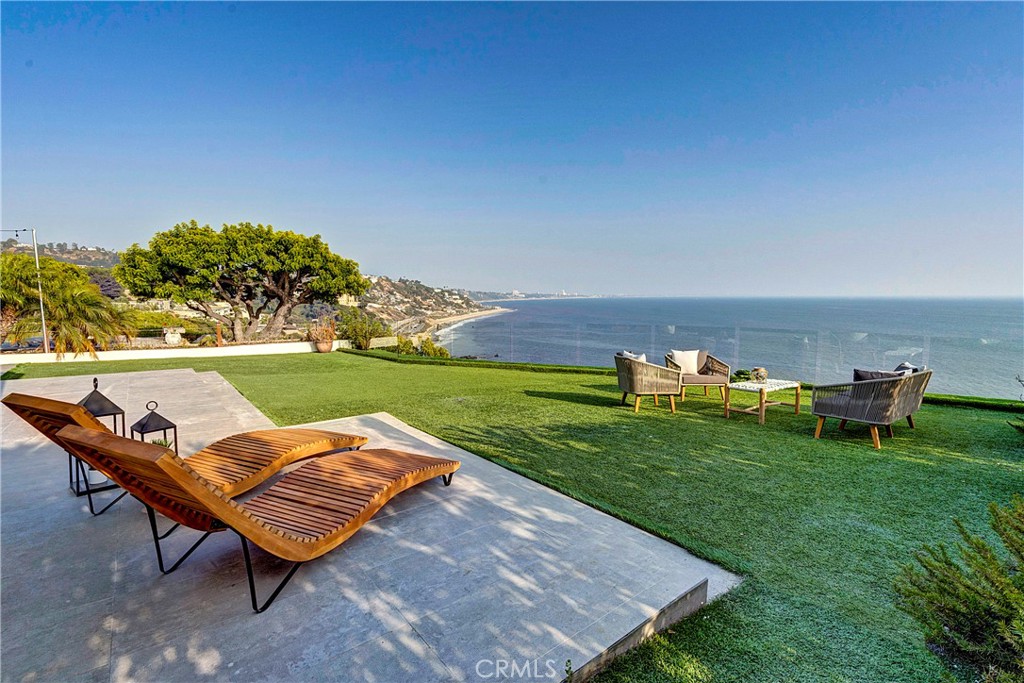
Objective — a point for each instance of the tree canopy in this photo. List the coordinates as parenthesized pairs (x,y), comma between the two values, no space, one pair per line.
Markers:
(255,269)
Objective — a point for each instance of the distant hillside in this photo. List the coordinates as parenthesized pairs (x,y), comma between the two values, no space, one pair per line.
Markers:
(410,306)
(80,255)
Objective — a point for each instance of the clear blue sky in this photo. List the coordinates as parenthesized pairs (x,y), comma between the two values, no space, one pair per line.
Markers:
(652,149)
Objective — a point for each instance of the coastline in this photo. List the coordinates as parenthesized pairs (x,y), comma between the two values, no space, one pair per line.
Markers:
(547,298)
(435,325)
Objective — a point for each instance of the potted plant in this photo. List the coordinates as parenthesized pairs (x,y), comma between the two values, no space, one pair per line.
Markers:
(321,333)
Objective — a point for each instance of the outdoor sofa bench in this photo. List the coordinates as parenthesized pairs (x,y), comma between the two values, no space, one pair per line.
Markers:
(874,402)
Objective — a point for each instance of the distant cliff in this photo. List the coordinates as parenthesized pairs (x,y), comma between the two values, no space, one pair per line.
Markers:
(409,306)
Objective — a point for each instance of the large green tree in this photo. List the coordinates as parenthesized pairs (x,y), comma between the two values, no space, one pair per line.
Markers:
(79,319)
(255,269)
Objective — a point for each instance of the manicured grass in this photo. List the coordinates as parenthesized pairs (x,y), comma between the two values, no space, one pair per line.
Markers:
(819,528)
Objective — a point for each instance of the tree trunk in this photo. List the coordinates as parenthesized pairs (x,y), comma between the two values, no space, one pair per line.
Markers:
(8,316)
(238,328)
(277,321)
(236,322)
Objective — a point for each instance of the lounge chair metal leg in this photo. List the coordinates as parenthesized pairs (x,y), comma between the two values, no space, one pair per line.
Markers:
(447,478)
(89,491)
(252,581)
(888,431)
(157,538)
(910,421)
(624,395)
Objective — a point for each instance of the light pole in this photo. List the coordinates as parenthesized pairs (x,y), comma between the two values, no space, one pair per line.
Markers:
(39,283)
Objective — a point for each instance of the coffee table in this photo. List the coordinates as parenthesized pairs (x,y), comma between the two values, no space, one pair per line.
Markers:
(762,389)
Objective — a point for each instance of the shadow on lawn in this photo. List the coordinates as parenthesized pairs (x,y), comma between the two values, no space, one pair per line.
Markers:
(13,373)
(575,397)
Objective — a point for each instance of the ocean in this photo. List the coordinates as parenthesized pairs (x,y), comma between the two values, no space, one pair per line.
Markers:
(975,346)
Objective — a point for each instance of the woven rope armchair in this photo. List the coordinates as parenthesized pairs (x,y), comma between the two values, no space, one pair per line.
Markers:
(874,402)
(712,372)
(646,379)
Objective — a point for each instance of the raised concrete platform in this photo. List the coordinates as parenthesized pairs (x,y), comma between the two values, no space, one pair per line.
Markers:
(493,578)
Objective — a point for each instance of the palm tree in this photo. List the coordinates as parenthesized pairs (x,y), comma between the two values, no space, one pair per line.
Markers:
(78,317)
(17,290)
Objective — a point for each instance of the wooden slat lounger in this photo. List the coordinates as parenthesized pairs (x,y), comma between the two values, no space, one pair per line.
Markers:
(234,465)
(308,512)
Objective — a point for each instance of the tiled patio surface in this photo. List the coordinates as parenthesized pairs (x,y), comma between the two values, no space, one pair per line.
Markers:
(495,577)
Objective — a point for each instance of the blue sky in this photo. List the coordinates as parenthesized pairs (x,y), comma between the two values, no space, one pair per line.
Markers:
(650,149)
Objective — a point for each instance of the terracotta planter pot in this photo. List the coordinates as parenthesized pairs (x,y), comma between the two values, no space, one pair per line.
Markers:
(324,346)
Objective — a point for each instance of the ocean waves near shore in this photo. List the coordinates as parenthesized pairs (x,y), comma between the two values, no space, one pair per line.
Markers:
(975,346)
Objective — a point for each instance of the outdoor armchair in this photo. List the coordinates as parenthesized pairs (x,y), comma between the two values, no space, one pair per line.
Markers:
(874,402)
(646,379)
(711,372)
(303,515)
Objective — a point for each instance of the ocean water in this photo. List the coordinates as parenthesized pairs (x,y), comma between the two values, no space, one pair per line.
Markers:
(975,346)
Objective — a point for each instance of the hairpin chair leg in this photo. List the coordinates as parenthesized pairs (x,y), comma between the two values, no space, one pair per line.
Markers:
(256,607)
(157,537)
(447,478)
(89,491)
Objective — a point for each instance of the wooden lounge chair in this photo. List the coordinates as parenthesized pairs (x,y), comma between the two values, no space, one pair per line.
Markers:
(234,465)
(308,512)
(875,402)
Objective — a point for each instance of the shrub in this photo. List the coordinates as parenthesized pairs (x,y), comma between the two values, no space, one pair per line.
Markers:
(432,350)
(973,611)
(361,328)
(321,331)
(405,346)
(152,323)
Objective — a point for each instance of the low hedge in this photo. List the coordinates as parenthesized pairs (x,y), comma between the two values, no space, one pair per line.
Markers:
(473,363)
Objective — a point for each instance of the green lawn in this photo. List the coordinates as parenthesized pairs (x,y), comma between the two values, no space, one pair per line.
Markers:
(819,528)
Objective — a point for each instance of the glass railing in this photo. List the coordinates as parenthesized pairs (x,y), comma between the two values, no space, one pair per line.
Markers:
(962,365)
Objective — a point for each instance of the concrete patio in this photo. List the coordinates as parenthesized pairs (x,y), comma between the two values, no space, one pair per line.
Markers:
(493,578)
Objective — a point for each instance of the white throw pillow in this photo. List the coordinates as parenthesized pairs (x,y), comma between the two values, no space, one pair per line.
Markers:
(686,360)
(633,356)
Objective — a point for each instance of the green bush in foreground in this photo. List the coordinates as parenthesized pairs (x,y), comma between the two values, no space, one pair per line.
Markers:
(431,350)
(405,346)
(360,327)
(974,611)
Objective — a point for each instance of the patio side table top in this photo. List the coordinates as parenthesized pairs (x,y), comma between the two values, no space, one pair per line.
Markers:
(762,389)
(767,385)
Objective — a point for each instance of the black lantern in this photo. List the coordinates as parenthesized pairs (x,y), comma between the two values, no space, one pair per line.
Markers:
(98,406)
(101,406)
(155,422)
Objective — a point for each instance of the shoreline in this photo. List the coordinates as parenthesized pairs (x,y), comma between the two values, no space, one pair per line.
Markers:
(436,325)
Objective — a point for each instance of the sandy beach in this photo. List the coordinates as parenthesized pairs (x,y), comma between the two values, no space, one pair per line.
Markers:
(436,324)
